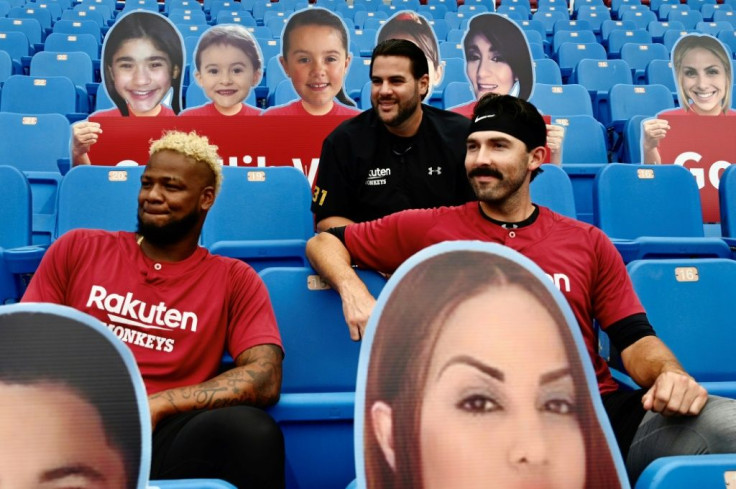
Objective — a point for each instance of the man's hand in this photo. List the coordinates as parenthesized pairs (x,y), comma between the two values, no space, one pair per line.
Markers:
(357,307)
(159,407)
(675,393)
(555,137)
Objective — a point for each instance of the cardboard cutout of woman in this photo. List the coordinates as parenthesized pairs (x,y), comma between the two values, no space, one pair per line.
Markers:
(498,60)
(73,408)
(142,67)
(473,373)
(704,76)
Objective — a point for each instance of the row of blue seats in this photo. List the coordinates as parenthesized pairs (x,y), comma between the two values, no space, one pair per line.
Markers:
(620,199)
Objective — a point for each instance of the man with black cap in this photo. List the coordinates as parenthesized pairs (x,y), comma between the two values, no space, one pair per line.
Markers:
(505,148)
(401,154)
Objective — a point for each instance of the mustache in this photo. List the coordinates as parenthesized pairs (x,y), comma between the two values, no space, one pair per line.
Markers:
(485,171)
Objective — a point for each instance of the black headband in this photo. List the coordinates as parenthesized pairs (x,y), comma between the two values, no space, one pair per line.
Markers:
(513,126)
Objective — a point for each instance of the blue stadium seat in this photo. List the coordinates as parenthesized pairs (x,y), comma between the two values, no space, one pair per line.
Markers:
(570,53)
(667,8)
(187,16)
(34,142)
(284,93)
(16,45)
(562,100)
(652,211)
(76,27)
(240,17)
(686,472)
(6,66)
(713,28)
(728,38)
(88,15)
(689,18)
(659,71)
(364,40)
(582,176)
(358,74)
(595,17)
(40,95)
(631,151)
(515,12)
(657,29)
(15,210)
(627,101)
(655,5)
(620,37)
(552,188)
(709,10)
(608,26)
(15,232)
(640,18)
(575,25)
(43,16)
(457,93)
(99,197)
(241,223)
(274,75)
(74,65)
(638,57)
(30,27)
(671,36)
(548,19)
(571,36)
(454,72)
(689,303)
(317,404)
(727,200)
(598,77)
(86,43)
(585,139)
(630,7)
(547,71)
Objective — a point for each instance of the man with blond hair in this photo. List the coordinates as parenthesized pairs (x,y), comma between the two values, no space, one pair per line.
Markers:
(178,307)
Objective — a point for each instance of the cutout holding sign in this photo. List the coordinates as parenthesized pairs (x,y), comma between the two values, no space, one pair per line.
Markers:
(703,75)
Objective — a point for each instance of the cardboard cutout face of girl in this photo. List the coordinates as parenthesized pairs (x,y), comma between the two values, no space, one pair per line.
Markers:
(142,64)
(473,373)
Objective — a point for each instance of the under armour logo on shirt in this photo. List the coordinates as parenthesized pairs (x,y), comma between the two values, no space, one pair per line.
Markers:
(434,171)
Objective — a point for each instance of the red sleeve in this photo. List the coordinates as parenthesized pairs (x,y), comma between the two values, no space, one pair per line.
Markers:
(251,318)
(386,243)
(614,297)
(51,279)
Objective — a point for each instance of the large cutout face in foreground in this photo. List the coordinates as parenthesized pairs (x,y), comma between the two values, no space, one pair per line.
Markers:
(475,375)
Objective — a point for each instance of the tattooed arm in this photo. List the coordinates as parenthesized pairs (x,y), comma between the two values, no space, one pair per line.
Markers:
(255,380)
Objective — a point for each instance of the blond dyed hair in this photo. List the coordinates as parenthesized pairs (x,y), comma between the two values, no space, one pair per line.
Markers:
(193,146)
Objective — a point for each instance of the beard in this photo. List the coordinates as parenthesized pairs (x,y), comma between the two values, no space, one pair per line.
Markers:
(497,192)
(171,232)
(405,110)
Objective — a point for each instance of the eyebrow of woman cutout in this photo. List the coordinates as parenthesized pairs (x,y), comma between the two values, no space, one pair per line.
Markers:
(545,378)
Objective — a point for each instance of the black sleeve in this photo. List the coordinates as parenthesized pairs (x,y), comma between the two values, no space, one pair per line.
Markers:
(629,330)
(331,193)
(338,232)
